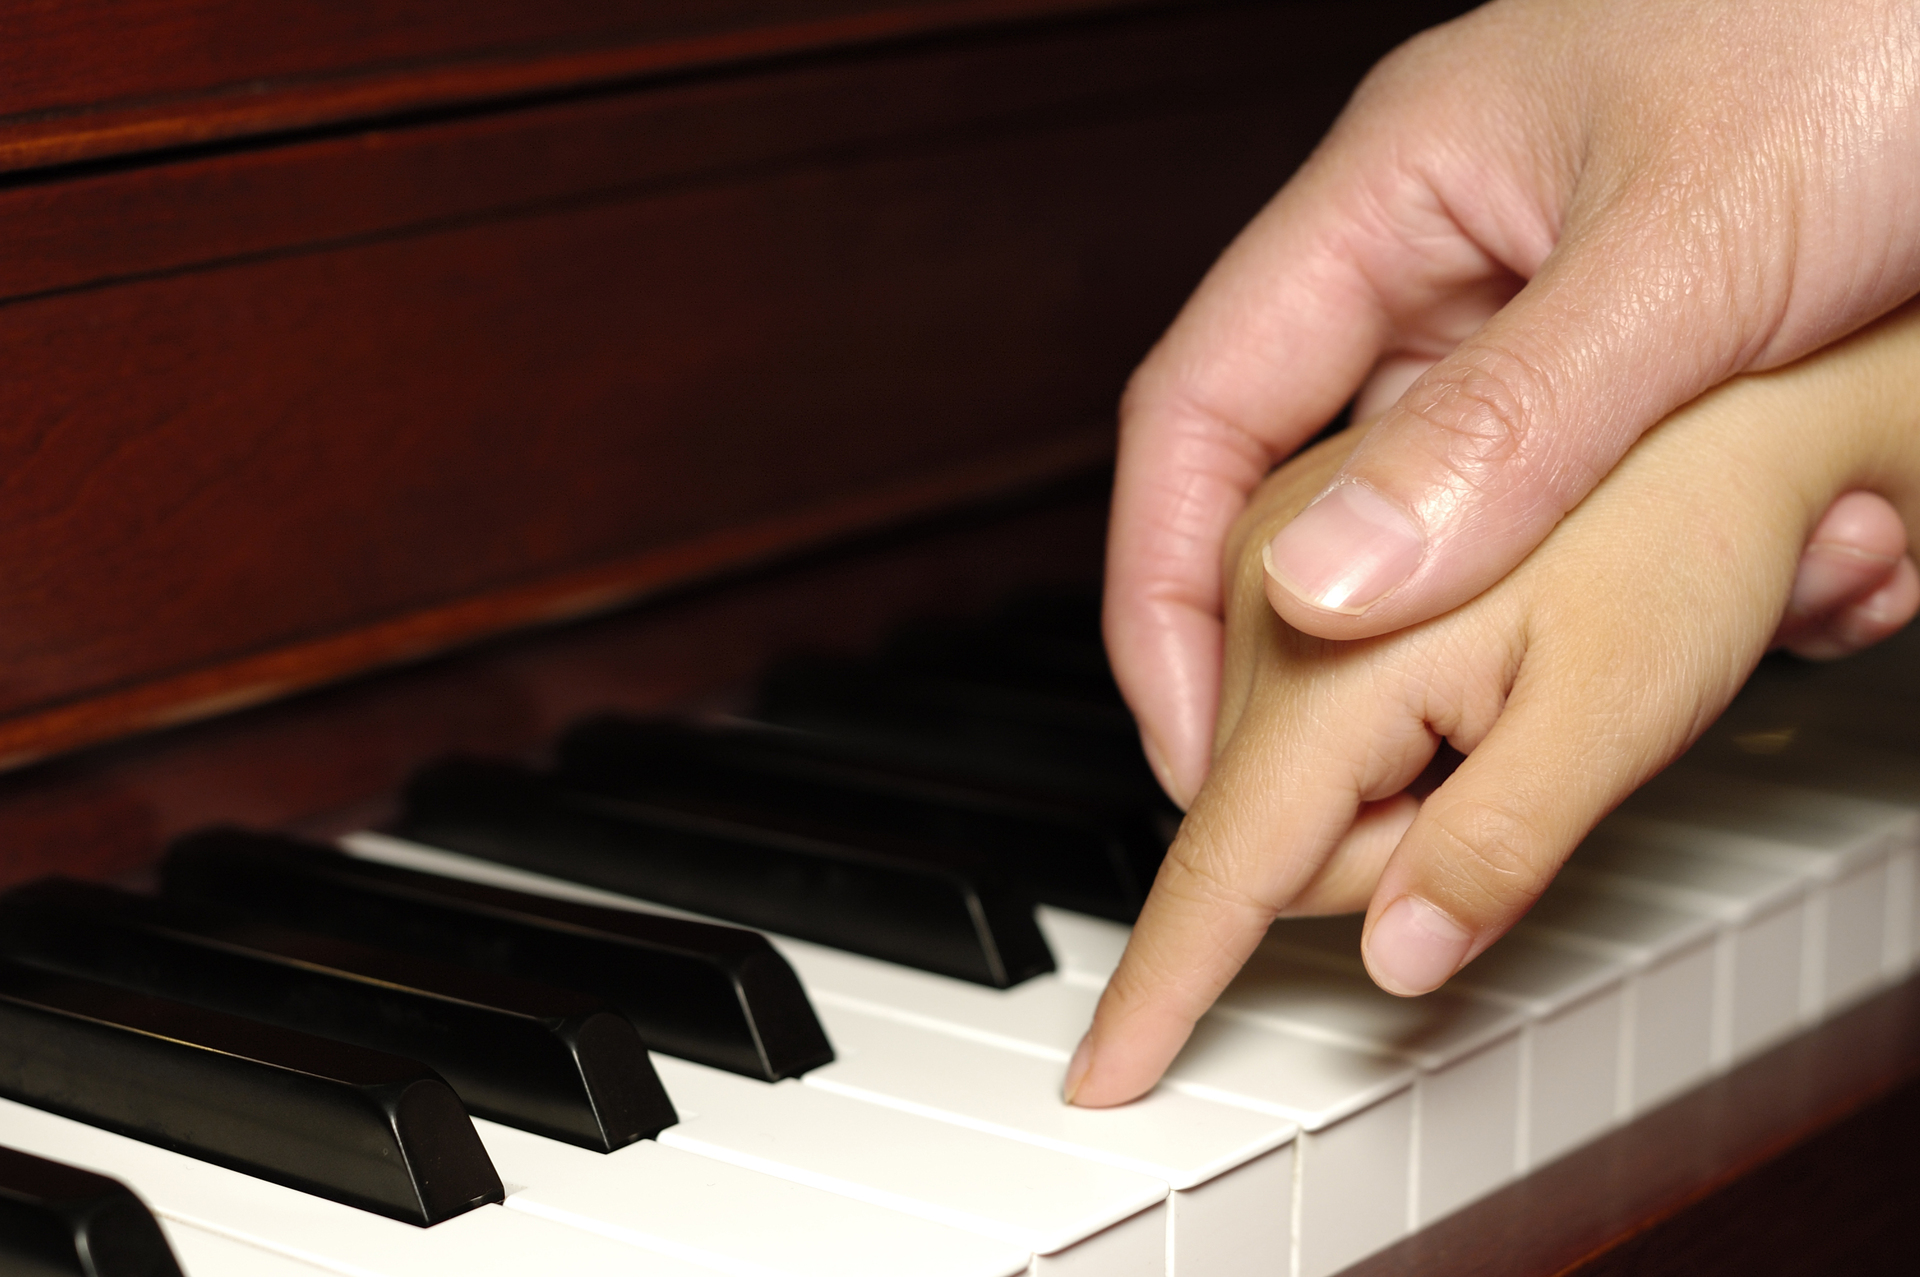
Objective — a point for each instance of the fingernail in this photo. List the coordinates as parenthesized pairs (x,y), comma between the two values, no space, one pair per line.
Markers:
(1830,575)
(1161,772)
(1415,947)
(1077,1067)
(1346,550)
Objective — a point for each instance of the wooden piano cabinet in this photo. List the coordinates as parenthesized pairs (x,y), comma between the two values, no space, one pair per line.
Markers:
(391,377)
(280,412)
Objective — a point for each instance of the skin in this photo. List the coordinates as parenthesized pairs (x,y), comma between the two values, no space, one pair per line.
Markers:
(1566,685)
(1533,233)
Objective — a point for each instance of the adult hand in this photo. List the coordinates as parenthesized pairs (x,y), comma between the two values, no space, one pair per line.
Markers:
(1533,233)
(1565,685)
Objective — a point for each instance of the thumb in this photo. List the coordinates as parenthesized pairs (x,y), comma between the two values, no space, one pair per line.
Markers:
(1485,452)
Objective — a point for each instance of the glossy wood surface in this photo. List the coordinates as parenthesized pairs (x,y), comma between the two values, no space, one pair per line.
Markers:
(89,79)
(284,414)
(333,759)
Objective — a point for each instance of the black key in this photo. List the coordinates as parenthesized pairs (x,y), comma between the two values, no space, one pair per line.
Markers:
(547,1060)
(60,1221)
(1077,858)
(1033,742)
(360,1127)
(960,918)
(1048,664)
(716,995)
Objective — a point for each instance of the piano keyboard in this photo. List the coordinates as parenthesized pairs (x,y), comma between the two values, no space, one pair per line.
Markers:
(1311,1121)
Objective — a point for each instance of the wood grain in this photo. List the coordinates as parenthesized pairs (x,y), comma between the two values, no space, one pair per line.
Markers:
(281,415)
(90,79)
(331,759)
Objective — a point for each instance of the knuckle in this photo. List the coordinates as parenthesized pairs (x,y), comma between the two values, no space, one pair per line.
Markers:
(1491,861)
(1478,419)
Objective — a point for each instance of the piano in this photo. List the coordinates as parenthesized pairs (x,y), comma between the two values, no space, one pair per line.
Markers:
(395,382)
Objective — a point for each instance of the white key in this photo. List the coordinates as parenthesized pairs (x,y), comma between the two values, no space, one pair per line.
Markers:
(488,1242)
(1468,1052)
(1768,971)
(1851,769)
(1308,1082)
(1337,1094)
(204,1254)
(1034,1198)
(726,1217)
(1196,1141)
(1214,1151)
(1571,1049)
(1852,845)
(1670,1001)
(1086,949)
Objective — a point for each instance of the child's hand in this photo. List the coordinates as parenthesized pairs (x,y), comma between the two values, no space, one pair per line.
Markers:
(1566,685)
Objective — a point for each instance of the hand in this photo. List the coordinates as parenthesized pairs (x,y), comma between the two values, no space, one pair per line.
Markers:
(1565,685)
(1534,232)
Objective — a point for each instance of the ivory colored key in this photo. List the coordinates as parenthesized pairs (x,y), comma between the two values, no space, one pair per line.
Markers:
(1670,995)
(1767,975)
(1858,851)
(488,1242)
(1354,1106)
(1834,760)
(1220,1222)
(1575,1003)
(1075,1214)
(1231,1170)
(710,1212)
(1468,1053)
(205,1254)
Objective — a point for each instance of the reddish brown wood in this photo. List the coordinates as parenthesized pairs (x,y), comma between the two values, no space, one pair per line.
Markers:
(329,760)
(278,416)
(1799,1162)
(86,79)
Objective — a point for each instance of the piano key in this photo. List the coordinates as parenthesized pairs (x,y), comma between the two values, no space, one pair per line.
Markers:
(254,1213)
(1355,1108)
(1468,1053)
(1850,844)
(1032,742)
(1229,1229)
(205,1254)
(57,1219)
(1844,917)
(1211,1155)
(1673,994)
(1307,1081)
(547,1059)
(362,1127)
(1032,1198)
(718,995)
(1076,857)
(1768,975)
(1010,656)
(1575,1003)
(957,917)
(710,1212)
(1836,764)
